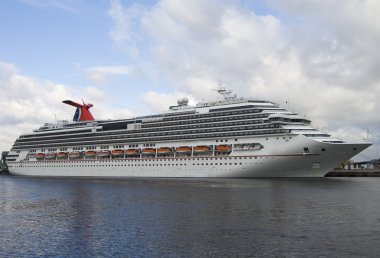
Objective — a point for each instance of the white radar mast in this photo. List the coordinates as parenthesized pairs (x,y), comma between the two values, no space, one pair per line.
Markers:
(227,94)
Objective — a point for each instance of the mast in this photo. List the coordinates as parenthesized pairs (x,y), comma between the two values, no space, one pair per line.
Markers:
(227,94)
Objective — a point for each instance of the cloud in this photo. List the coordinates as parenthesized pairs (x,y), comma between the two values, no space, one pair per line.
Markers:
(323,62)
(27,103)
(123,33)
(98,74)
(160,102)
(65,5)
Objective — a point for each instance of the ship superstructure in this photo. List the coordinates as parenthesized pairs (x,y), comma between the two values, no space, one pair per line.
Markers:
(233,137)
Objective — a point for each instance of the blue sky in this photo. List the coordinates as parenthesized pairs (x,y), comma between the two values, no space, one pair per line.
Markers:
(132,58)
(37,33)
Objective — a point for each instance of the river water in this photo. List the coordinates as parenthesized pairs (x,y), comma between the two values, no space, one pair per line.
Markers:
(189,217)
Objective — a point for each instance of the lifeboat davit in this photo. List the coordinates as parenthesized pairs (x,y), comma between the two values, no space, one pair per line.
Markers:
(117,153)
(50,155)
(40,156)
(183,149)
(223,148)
(148,151)
(201,149)
(131,152)
(90,154)
(164,150)
(62,155)
(103,153)
(75,155)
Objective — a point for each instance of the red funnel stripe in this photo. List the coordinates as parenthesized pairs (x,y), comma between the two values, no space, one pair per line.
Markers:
(82,113)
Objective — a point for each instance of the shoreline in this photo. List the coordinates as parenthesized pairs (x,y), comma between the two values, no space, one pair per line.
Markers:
(354,173)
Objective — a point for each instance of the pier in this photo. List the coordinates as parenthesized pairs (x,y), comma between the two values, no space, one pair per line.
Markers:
(3,164)
(354,173)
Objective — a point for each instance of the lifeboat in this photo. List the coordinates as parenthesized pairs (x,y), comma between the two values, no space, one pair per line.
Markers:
(40,156)
(90,154)
(223,148)
(201,149)
(62,155)
(117,153)
(183,149)
(103,154)
(75,155)
(131,152)
(50,155)
(164,150)
(148,151)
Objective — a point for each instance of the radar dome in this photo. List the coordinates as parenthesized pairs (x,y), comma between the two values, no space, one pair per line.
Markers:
(185,100)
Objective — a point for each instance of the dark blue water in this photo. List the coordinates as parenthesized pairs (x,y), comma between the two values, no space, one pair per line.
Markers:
(189,217)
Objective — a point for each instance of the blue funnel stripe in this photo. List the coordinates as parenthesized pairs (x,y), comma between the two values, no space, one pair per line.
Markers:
(76,115)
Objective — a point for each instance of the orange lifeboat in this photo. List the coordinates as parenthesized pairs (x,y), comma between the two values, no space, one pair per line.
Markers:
(164,150)
(183,149)
(103,154)
(148,151)
(62,155)
(90,154)
(131,152)
(75,154)
(117,153)
(201,149)
(223,148)
(40,156)
(50,155)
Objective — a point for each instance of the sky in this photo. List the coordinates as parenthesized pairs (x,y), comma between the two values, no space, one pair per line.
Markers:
(318,58)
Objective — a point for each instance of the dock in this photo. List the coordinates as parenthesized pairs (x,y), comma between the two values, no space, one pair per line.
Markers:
(4,171)
(3,165)
(354,173)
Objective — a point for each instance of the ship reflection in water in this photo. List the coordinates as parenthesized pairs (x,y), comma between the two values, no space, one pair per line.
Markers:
(189,217)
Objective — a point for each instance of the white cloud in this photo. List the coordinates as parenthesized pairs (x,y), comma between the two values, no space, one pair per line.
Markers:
(123,34)
(27,103)
(160,102)
(98,74)
(66,5)
(323,61)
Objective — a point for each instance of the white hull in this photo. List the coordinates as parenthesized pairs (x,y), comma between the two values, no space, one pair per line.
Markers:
(276,160)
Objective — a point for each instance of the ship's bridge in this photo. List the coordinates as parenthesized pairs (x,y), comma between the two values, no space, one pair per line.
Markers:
(284,118)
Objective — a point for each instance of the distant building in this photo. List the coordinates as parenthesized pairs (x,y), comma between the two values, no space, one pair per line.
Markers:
(370,164)
(3,166)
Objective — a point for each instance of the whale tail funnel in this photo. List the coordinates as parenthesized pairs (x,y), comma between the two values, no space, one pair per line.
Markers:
(83,111)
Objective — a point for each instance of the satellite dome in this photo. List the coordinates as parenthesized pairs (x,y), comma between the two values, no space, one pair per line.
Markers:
(185,100)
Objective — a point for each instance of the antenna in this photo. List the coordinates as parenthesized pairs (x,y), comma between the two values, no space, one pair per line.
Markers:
(227,94)
(367,134)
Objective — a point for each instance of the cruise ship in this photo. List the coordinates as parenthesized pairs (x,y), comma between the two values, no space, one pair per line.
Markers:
(233,137)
